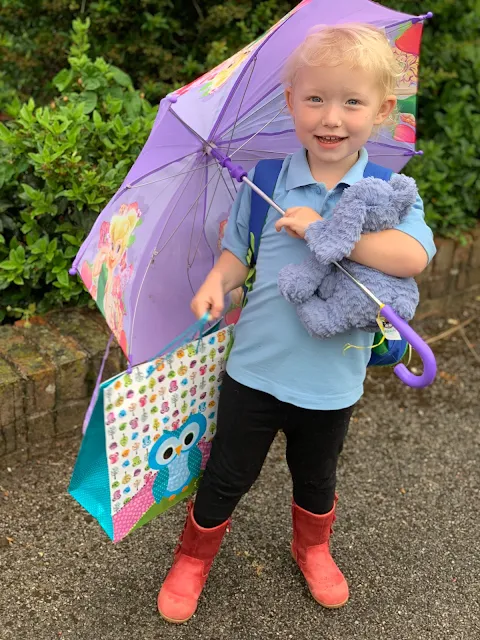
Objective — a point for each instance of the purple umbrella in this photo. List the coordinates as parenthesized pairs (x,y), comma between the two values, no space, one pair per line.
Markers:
(153,244)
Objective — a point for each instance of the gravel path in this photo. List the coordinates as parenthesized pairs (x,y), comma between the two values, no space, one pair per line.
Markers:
(406,536)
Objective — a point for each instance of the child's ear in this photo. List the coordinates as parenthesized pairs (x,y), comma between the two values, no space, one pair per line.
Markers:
(386,108)
(289,99)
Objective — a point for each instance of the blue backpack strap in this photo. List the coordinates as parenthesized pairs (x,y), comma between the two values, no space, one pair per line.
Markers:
(373,170)
(265,178)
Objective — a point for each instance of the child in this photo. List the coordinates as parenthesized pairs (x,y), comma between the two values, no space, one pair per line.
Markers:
(339,87)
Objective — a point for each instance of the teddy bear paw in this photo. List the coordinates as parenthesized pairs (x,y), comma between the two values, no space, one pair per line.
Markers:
(294,286)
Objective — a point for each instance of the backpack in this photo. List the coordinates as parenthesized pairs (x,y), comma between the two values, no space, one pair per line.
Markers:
(387,351)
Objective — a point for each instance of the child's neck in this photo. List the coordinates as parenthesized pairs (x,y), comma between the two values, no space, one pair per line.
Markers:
(330,174)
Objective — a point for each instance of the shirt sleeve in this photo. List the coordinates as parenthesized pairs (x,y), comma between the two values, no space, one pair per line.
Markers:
(235,239)
(414,225)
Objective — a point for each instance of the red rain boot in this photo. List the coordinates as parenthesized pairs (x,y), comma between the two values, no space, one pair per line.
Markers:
(311,550)
(195,552)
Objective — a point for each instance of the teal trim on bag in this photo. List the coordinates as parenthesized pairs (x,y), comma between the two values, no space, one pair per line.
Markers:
(90,484)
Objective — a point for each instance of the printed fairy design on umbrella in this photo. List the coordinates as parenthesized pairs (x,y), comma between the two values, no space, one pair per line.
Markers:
(407,51)
(108,275)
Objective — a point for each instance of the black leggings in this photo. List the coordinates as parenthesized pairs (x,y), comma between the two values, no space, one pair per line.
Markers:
(247,423)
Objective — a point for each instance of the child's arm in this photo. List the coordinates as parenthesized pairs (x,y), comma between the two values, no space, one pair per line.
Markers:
(230,270)
(392,252)
(402,252)
(227,274)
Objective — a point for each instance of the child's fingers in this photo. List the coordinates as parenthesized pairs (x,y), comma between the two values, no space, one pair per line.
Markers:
(199,307)
(216,309)
(285,223)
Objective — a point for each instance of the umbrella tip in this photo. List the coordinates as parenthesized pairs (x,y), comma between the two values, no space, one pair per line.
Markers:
(72,271)
(172,99)
(425,16)
(419,153)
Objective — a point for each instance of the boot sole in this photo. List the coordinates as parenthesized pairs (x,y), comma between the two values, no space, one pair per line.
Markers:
(322,604)
(172,621)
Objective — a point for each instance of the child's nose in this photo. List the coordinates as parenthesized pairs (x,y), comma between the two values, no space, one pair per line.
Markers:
(331,117)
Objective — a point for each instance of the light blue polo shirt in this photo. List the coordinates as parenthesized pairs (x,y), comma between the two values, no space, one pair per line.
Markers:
(272,351)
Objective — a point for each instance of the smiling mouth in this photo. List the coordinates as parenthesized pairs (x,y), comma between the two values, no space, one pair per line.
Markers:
(330,139)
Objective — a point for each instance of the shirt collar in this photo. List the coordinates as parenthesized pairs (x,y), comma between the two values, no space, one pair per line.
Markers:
(299,174)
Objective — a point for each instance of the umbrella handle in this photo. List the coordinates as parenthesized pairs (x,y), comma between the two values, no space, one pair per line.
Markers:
(420,346)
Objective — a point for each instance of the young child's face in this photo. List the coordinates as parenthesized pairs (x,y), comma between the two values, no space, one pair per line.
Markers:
(335,110)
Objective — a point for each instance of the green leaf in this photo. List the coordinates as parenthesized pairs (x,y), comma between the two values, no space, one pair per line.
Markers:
(71,239)
(89,101)
(120,77)
(20,254)
(63,79)
(8,265)
(63,278)
(40,246)
(29,192)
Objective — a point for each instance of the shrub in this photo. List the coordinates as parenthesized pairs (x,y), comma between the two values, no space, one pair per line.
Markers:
(59,166)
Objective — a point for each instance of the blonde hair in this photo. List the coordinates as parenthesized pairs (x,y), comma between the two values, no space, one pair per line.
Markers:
(357,45)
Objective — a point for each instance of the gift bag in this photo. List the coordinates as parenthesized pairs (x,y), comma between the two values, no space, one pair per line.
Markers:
(149,435)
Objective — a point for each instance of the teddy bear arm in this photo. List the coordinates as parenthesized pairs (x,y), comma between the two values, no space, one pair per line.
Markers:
(298,282)
(322,318)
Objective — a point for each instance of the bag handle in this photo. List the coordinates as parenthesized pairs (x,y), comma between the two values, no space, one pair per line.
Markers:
(190,332)
(93,399)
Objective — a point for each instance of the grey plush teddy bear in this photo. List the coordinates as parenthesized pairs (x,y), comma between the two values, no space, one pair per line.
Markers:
(328,302)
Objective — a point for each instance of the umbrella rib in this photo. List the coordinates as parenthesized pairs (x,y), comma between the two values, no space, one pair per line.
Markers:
(155,253)
(245,116)
(184,217)
(262,151)
(189,264)
(187,126)
(190,261)
(241,101)
(259,131)
(390,155)
(210,207)
(175,175)
(273,31)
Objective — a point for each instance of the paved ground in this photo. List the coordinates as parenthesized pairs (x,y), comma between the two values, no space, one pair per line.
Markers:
(407,536)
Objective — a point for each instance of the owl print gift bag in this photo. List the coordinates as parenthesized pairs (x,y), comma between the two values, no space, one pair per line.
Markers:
(149,436)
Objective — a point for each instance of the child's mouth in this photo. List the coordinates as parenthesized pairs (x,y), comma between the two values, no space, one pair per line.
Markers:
(329,141)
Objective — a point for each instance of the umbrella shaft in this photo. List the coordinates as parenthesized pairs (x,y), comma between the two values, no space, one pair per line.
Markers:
(339,266)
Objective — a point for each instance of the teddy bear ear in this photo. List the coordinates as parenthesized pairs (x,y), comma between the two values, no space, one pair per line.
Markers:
(405,190)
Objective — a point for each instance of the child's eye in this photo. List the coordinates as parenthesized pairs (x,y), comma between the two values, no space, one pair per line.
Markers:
(315,99)
(353,101)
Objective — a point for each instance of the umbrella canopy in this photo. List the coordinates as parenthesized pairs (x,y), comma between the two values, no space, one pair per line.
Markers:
(153,244)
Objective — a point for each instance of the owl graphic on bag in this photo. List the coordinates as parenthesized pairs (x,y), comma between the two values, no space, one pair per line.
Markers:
(177,458)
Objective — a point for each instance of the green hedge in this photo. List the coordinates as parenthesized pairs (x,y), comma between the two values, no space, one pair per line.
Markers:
(61,162)
(59,166)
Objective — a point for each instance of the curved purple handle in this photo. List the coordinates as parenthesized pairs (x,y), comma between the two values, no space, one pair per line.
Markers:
(420,346)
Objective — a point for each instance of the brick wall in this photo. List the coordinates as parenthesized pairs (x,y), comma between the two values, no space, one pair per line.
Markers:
(47,375)
(453,275)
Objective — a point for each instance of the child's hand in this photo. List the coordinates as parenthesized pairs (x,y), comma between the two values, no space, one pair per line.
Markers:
(296,220)
(209,298)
